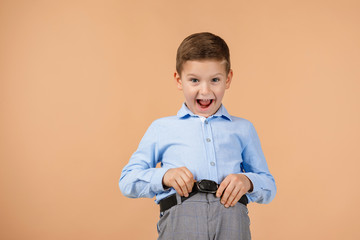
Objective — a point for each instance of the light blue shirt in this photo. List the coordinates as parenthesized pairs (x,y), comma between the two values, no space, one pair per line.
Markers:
(211,149)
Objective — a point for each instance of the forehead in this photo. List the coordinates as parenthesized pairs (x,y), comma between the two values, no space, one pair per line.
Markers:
(204,67)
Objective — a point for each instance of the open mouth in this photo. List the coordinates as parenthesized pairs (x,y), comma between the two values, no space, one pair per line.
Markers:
(204,103)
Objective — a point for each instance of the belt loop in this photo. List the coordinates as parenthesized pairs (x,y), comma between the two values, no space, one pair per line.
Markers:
(178,199)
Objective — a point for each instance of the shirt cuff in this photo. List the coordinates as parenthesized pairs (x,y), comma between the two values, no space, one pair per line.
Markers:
(256,185)
(156,180)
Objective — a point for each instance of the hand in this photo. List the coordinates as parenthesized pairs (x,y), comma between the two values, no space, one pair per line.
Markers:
(181,179)
(233,187)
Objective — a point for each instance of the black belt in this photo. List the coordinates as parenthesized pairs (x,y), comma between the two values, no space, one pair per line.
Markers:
(205,186)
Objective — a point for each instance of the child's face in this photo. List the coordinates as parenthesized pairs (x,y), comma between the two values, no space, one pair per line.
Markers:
(203,84)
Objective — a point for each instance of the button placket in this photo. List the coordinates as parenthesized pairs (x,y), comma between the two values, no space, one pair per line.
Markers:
(210,150)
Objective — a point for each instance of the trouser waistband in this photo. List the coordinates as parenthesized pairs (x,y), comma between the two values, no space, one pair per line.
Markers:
(171,200)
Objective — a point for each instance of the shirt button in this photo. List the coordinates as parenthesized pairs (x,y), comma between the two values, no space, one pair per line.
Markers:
(208,140)
(212,163)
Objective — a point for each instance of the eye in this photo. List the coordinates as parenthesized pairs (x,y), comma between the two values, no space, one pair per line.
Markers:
(194,80)
(215,79)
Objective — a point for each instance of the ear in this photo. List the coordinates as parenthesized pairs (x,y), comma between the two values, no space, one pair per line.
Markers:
(229,78)
(178,80)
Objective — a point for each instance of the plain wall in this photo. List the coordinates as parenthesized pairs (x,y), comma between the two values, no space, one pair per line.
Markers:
(80,82)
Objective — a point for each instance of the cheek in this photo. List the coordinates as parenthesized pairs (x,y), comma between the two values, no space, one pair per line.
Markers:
(220,93)
(189,93)
(188,96)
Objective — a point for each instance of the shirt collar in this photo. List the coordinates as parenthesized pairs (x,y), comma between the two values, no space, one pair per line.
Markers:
(185,112)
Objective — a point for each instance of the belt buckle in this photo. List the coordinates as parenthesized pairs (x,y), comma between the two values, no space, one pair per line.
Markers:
(207,186)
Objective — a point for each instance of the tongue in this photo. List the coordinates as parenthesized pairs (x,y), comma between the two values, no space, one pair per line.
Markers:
(204,103)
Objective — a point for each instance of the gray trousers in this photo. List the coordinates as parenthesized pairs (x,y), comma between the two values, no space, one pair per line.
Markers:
(203,217)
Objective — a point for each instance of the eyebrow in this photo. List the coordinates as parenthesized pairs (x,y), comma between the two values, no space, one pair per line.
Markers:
(194,75)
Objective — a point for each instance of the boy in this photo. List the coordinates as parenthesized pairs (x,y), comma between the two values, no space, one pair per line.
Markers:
(212,164)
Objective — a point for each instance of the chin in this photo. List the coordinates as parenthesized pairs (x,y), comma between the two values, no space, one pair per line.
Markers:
(206,114)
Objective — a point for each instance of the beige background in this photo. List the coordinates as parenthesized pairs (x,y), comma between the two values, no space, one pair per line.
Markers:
(80,82)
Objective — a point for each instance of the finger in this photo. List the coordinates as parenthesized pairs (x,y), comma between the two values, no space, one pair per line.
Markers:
(188,180)
(177,188)
(232,196)
(225,184)
(190,185)
(187,188)
(241,193)
(236,198)
(184,182)
(180,182)
(222,187)
(229,194)
(188,173)
(176,178)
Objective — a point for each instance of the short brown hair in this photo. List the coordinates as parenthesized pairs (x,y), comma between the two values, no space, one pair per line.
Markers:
(200,46)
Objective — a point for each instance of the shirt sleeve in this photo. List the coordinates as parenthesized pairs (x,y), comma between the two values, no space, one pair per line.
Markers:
(140,177)
(256,169)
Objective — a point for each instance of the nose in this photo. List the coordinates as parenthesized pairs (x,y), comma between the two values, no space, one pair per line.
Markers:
(205,89)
